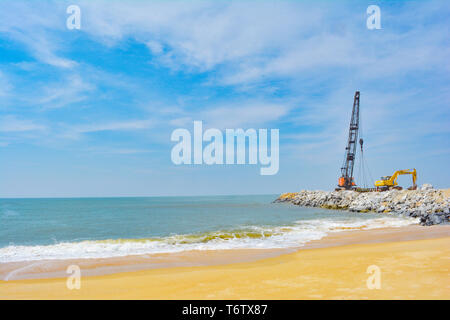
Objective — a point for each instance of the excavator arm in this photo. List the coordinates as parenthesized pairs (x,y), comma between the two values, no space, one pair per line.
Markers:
(391,181)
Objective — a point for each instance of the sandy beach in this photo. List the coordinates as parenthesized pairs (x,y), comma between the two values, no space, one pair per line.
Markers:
(414,263)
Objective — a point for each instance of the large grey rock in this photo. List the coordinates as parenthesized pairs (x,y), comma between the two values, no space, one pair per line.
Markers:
(426,186)
(431,219)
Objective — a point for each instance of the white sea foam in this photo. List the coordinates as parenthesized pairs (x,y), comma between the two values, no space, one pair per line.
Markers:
(253,237)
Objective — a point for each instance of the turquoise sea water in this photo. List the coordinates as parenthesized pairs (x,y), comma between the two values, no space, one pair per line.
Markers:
(34,229)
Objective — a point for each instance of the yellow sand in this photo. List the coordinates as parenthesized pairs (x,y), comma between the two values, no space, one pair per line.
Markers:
(416,269)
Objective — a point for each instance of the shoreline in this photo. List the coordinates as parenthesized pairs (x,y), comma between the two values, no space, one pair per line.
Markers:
(56,268)
(412,269)
(98,257)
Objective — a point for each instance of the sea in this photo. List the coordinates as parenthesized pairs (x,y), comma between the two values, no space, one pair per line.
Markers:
(77,228)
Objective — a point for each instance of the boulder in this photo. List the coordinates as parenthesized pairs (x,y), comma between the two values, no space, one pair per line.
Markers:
(426,186)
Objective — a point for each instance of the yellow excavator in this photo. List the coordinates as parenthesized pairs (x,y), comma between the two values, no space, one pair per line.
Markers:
(390,182)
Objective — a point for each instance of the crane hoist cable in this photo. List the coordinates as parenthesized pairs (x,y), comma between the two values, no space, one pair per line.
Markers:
(363,168)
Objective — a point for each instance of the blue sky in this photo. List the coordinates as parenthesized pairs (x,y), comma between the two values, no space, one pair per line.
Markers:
(89,112)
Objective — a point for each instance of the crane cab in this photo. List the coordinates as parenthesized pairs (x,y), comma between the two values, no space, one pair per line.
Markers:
(343,183)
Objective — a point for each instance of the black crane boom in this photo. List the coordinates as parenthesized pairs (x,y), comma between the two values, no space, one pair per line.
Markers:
(346,179)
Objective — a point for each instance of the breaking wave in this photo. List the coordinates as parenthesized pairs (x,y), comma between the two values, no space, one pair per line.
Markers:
(249,237)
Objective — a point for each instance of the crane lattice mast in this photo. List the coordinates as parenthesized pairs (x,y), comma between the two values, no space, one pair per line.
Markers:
(346,179)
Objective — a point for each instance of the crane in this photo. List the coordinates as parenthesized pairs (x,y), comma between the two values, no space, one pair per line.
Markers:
(346,180)
(389,182)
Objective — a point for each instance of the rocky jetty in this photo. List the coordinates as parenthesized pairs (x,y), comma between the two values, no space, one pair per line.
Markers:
(432,206)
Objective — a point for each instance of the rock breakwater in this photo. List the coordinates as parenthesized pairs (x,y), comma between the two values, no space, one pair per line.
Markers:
(432,206)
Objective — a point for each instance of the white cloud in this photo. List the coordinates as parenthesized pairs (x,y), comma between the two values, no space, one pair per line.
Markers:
(5,85)
(76,131)
(10,124)
(236,114)
(244,115)
(123,151)
(36,25)
(244,40)
(155,47)
(203,34)
(115,126)
(68,132)
(73,89)
(271,39)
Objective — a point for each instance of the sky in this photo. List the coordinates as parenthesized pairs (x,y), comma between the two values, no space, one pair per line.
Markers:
(90,112)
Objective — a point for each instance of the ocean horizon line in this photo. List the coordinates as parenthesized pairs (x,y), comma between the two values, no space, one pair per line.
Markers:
(149,196)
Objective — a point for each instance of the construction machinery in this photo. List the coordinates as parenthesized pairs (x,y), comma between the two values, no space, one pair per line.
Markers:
(346,181)
(390,182)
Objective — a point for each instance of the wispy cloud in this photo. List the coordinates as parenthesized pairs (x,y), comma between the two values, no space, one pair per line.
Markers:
(115,126)
(5,85)
(118,151)
(235,114)
(271,39)
(34,26)
(75,132)
(246,114)
(72,90)
(11,124)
